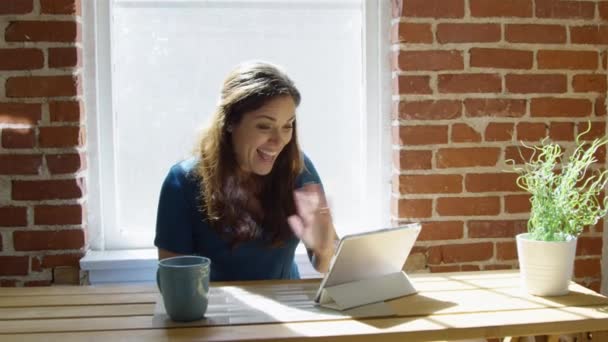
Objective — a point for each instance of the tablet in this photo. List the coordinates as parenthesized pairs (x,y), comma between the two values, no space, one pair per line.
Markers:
(370,255)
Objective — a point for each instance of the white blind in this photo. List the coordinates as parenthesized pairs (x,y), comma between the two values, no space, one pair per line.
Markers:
(169,59)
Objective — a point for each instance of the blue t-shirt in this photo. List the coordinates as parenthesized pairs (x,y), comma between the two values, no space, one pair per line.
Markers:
(183,229)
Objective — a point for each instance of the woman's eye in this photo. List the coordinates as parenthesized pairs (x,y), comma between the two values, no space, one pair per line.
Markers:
(288,127)
(263,127)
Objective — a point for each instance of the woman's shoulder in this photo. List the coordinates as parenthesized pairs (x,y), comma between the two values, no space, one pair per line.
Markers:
(184,172)
(308,174)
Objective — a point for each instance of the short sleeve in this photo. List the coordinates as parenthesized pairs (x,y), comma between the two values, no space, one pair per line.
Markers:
(309,175)
(173,221)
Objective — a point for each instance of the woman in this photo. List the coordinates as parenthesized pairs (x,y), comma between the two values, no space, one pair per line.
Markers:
(249,195)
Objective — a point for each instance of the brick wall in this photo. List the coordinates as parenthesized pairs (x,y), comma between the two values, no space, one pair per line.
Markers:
(42,140)
(472,78)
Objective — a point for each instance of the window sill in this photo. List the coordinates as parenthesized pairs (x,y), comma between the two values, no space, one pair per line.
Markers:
(139,265)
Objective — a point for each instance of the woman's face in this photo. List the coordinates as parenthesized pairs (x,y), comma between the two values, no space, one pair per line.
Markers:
(262,134)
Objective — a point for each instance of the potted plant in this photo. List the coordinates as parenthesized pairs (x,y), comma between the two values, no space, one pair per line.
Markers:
(565,197)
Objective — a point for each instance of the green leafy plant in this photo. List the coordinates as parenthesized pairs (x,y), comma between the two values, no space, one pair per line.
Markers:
(565,191)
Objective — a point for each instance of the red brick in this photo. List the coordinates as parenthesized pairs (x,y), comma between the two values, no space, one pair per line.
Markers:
(13,138)
(430,60)
(587,268)
(599,226)
(48,240)
(558,59)
(560,107)
(531,131)
(499,131)
(501,8)
(20,113)
(518,154)
(536,83)
(603,9)
(561,131)
(590,83)
(427,184)
(464,133)
(42,31)
(468,206)
(490,182)
(60,6)
(413,160)
(66,111)
(536,34)
(441,230)
(517,204)
(64,57)
(20,164)
(412,208)
(65,163)
(495,107)
(420,135)
(468,33)
(565,9)
(21,59)
(18,138)
(8,283)
(589,245)
(55,260)
(598,130)
(601,106)
(16,6)
(61,136)
(501,58)
(430,109)
(470,268)
(467,157)
(445,268)
(497,267)
(506,251)
(36,283)
(412,85)
(13,216)
(466,252)
(14,265)
(47,189)
(594,285)
(412,33)
(43,86)
(433,8)
(469,83)
(600,155)
(590,34)
(496,229)
(58,214)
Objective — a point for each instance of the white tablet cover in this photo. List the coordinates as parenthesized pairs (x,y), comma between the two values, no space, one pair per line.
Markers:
(370,255)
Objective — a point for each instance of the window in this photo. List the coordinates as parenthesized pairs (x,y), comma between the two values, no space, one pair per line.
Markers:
(153,78)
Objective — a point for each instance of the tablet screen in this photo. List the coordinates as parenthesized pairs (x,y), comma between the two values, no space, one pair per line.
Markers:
(370,254)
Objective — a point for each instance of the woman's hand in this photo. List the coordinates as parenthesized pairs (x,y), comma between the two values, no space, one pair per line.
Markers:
(313,224)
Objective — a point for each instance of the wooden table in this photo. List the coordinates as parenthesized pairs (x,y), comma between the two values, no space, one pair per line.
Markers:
(449,306)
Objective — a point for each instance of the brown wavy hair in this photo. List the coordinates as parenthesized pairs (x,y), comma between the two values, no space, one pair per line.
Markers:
(224,188)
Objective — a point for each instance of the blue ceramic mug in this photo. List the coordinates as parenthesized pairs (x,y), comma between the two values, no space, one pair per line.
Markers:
(184,284)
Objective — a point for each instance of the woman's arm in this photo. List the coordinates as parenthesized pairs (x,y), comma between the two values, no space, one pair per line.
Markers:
(164,254)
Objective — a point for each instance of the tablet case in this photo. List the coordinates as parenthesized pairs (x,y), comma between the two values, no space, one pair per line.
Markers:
(367,268)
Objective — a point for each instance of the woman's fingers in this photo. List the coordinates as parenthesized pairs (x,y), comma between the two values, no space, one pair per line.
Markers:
(296,224)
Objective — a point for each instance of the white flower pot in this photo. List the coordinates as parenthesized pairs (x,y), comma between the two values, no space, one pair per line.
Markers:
(545,266)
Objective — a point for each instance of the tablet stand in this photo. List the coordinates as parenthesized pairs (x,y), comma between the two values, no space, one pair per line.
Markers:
(366,291)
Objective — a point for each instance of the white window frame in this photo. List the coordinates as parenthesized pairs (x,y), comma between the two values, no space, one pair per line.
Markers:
(119,262)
